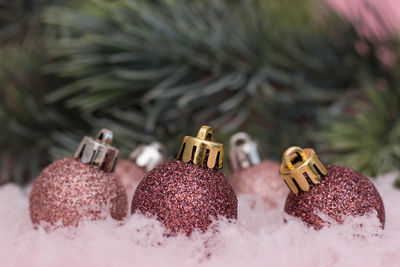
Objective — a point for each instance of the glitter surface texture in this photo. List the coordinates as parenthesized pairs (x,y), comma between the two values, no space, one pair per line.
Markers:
(257,238)
(262,180)
(185,197)
(130,175)
(342,191)
(68,190)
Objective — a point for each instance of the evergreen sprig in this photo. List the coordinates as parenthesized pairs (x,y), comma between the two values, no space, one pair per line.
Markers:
(31,128)
(34,132)
(20,20)
(190,62)
(159,69)
(368,140)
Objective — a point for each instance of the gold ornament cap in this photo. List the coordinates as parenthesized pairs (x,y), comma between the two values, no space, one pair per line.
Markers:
(243,152)
(98,152)
(202,149)
(149,156)
(300,167)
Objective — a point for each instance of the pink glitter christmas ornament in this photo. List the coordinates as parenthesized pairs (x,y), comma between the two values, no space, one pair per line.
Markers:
(252,175)
(185,194)
(81,186)
(143,159)
(333,191)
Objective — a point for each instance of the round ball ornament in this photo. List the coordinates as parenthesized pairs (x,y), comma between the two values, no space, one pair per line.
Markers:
(143,159)
(184,194)
(252,175)
(333,191)
(78,187)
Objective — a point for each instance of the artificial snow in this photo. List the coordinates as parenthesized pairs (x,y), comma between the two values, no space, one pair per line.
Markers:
(258,238)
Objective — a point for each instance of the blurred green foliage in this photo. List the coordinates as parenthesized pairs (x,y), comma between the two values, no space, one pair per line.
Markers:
(284,71)
(368,140)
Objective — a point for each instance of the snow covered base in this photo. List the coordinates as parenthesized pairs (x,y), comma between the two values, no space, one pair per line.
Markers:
(258,238)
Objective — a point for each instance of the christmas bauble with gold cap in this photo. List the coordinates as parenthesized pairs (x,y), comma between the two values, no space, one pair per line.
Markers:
(187,193)
(253,175)
(333,191)
(143,159)
(78,187)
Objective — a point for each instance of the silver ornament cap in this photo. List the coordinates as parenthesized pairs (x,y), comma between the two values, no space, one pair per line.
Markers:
(243,152)
(98,152)
(149,156)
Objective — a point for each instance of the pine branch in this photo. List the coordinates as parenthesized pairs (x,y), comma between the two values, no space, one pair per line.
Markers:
(159,69)
(20,20)
(27,121)
(369,140)
(202,61)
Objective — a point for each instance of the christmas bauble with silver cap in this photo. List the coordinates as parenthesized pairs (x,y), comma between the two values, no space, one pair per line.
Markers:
(80,187)
(143,159)
(253,175)
(334,191)
(187,193)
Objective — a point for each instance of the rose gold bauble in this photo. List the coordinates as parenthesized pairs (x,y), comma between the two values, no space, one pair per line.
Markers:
(334,191)
(262,180)
(185,194)
(251,175)
(143,159)
(82,187)
(130,175)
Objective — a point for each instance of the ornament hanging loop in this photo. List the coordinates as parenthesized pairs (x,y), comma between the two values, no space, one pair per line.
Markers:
(300,168)
(105,136)
(205,133)
(202,150)
(292,155)
(244,152)
(98,152)
(149,156)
